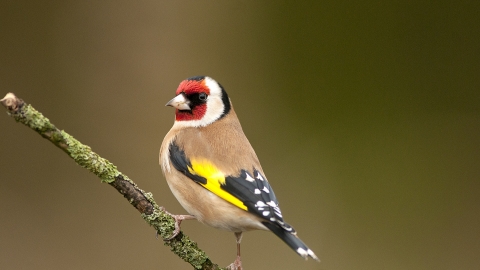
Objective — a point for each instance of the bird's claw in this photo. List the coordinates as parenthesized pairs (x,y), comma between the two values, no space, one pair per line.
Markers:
(236,265)
(178,220)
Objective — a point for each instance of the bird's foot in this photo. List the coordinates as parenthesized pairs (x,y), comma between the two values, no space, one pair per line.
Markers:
(236,265)
(178,220)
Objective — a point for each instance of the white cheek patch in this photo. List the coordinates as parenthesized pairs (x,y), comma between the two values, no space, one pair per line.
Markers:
(215,89)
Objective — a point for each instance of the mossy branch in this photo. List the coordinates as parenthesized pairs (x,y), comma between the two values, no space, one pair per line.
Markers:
(83,155)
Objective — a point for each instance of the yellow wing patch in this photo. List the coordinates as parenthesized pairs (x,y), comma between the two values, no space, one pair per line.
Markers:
(215,178)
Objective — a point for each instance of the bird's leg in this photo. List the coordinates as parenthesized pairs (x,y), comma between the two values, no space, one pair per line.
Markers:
(237,264)
(178,220)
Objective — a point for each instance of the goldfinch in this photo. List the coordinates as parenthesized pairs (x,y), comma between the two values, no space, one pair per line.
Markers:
(213,171)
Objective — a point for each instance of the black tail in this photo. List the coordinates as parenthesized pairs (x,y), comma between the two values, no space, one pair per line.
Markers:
(291,240)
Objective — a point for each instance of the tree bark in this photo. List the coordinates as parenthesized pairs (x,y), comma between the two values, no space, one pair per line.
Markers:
(83,155)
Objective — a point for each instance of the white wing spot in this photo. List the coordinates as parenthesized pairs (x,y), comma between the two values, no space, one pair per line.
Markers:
(266,213)
(259,177)
(249,178)
(257,191)
(265,189)
(272,204)
(260,204)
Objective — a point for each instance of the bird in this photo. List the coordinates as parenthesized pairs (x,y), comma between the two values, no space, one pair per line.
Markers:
(213,171)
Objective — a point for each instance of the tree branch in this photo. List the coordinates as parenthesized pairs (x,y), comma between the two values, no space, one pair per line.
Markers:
(83,155)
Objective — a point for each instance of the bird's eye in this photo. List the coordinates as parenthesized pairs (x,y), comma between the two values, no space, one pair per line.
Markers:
(202,96)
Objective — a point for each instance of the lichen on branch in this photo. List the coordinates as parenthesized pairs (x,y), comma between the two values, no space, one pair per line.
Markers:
(83,155)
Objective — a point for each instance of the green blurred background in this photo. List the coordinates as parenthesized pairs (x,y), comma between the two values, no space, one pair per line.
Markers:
(366,117)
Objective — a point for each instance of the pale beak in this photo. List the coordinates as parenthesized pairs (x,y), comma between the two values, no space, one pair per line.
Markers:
(179,102)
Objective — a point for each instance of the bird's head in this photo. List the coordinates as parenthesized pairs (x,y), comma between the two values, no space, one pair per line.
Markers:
(199,101)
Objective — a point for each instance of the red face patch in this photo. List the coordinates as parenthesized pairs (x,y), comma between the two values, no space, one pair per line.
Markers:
(196,114)
(190,87)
